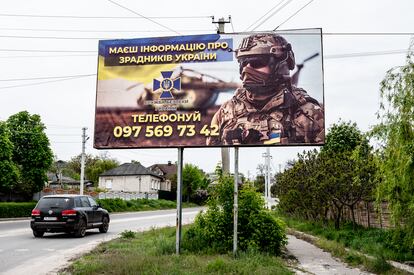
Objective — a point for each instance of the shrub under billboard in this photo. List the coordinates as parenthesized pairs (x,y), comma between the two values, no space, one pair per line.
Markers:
(246,89)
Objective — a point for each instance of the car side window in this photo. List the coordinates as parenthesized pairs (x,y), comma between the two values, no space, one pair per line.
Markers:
(92,202)
(85,202)
(78,202)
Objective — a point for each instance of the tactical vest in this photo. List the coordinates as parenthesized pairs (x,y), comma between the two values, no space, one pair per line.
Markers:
(288,117)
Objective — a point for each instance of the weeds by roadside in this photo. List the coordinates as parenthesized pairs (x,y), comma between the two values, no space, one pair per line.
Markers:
(153,252)
(350,244)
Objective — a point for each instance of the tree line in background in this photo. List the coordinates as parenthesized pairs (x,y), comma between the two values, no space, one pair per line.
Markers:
(26,158)
(94,166)
(321,183)
(347,170)
(25,154)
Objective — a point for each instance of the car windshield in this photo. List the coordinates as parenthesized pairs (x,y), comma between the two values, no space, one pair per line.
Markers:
(63,203)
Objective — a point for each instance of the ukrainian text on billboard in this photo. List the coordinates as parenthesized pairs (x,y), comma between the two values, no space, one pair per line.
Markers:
(216,90)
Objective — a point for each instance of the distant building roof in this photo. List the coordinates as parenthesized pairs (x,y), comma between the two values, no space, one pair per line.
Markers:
(167,169)
(129,169)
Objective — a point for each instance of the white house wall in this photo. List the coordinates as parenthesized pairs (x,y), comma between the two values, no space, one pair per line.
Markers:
(142,184)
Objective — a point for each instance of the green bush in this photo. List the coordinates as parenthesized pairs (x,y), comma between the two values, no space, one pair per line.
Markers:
(16,209)
(128,234)
(212,230)
(113,205)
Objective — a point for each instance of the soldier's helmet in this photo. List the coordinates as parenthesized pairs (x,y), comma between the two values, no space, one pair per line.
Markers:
(267,49)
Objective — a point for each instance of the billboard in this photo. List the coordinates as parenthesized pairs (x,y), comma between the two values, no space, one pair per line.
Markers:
(215,90)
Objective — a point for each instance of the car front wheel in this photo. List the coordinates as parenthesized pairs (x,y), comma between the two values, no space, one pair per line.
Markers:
(38,234)
(105,225)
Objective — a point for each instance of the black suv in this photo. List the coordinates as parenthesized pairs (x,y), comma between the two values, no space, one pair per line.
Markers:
(68,213)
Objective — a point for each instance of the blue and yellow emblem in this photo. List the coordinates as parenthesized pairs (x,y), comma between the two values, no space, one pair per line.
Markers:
(167,85)
(274,137)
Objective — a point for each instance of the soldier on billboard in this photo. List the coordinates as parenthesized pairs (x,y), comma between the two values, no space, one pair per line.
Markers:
(268,109)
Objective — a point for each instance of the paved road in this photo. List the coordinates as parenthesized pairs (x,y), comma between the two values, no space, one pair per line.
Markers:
(314,260)
(21,253)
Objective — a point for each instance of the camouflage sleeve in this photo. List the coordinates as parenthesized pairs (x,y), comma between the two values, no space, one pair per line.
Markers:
(309,122)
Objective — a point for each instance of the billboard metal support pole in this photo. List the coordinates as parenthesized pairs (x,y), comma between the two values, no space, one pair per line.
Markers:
(268,176)
(179,200)
(225,160)
(236,191)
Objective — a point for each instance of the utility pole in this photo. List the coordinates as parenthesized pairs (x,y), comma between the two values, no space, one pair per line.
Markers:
(225,151)
(225,160)
(82,175)
(267,174)
(221,22)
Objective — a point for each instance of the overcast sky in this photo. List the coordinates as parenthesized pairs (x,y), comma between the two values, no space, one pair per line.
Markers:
(43,40)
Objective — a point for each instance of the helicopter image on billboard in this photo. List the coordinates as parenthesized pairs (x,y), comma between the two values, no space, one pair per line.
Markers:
(201,90)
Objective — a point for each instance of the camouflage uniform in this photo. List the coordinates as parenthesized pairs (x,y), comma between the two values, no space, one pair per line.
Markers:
(293,116)
(268,109)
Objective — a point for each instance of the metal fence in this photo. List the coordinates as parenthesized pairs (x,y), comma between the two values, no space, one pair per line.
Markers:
(101,195)
(127,195)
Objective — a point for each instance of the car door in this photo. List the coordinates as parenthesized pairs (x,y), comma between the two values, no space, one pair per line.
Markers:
(86,206)
(97,211)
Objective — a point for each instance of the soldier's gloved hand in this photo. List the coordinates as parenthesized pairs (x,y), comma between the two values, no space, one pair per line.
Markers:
(230,135)
(251,136)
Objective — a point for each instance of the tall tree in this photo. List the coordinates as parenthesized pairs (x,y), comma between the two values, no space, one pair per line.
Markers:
(341,174)
(31,151)
(9,173)
(72,168)
(259,182)
(396,135)
(98,167)
(193,179)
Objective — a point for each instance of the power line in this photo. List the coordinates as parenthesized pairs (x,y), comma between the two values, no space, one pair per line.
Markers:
(269,11)
(231,23)
(47,77)
(276,11)
(53,37)
(104,31)
(63,126)
(368,33)
(294,14)
(46,51)
(103,17)
(362,54)
(43,82)
(48,56)
(51,141)
(134,12)
(100,38)
(60,135)
(61,37)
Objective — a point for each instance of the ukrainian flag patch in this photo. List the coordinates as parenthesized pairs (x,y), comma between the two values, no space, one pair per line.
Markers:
(274,137)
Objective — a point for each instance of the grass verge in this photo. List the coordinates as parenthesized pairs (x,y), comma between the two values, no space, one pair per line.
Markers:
(153,252)
(350,243)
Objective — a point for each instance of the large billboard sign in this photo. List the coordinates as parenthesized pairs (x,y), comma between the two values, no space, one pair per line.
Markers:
(244,89)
